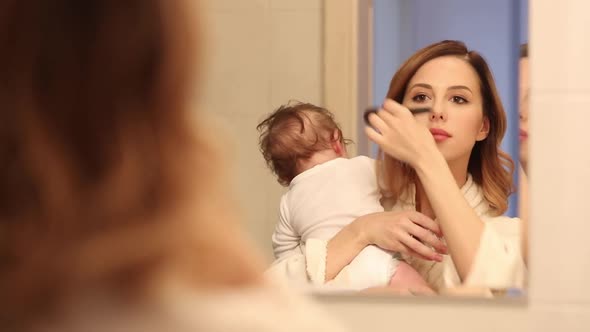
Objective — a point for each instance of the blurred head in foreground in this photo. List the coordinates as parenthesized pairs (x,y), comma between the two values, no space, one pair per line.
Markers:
(106,183)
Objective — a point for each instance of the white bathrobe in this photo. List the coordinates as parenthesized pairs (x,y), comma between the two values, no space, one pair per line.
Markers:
(498,263)
(323,200)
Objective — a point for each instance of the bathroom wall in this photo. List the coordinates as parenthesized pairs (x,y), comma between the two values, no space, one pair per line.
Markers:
(260,54)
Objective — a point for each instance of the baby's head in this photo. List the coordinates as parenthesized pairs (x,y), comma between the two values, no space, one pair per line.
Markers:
(294,133)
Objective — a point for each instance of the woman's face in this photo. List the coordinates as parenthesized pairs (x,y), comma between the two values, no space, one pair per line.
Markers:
(523,98)
(450,86)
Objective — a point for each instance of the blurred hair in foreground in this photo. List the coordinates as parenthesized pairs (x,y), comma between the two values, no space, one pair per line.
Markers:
(107,184)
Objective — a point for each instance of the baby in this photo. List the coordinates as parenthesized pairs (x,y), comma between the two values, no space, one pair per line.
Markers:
(304,147)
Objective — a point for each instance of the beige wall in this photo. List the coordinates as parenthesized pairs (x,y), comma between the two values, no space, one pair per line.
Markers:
(261,53)
(347,66)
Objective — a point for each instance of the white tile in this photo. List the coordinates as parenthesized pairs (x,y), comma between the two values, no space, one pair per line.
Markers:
(387,313)
(296,69)
(295,4)
(559,182)
(553,318)
(559,46)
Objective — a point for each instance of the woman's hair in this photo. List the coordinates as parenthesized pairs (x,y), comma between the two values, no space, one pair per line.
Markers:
(524,50)
(294,132)
(490,167)
(105,181)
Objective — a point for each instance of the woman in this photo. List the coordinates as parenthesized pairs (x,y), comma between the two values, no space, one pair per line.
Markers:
(444,165)
(523,111)
(111,217)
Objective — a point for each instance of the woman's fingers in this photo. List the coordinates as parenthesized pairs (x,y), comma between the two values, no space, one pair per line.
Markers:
(374,136)
(419,248)
(377,122)
(396,109)
(427,237)
(424,221)
(386,116)
(382,121)
(409,251)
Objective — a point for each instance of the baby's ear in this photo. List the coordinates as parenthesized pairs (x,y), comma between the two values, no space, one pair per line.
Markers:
(337,144)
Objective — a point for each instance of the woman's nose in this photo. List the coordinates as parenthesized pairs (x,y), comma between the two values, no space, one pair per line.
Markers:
(523,113)
(437,114)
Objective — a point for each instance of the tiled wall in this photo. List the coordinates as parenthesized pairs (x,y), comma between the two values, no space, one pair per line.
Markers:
(560,165)
(261,53)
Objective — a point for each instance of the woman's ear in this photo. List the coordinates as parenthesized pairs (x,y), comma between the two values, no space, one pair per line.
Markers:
(484,131)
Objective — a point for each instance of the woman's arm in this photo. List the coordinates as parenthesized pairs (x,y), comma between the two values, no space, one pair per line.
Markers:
(344,247)
(459,222)
(407,232)
(498,262)
(400,136)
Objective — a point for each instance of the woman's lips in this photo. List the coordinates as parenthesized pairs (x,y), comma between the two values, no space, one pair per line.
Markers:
(523,135)
(439,134)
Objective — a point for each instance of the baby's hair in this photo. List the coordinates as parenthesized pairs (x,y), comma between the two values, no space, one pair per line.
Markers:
(294,132)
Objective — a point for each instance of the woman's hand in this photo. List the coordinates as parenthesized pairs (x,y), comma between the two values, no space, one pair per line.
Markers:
(407,232)
(398,134)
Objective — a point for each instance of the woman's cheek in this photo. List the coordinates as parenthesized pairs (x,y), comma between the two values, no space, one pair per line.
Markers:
(422,119)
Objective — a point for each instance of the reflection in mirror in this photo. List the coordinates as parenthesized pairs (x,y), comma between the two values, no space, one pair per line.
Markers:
(523,109)
(440,178)
(433,213)
(523,100)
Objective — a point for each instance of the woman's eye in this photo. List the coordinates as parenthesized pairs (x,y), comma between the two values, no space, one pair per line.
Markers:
(459,100)
(420,98)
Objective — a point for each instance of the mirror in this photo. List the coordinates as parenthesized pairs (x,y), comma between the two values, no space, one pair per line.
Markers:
(265,53)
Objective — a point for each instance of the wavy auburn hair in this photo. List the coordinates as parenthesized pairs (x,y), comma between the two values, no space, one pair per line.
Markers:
(490,167)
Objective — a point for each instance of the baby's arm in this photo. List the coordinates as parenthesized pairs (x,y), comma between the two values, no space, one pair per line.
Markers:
(372,267)
(284,238)
(377,268)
